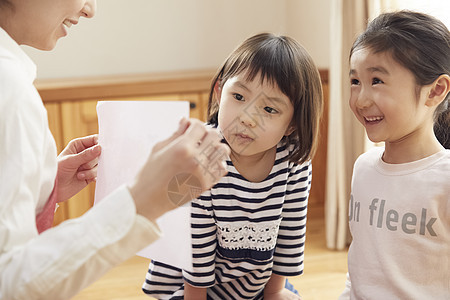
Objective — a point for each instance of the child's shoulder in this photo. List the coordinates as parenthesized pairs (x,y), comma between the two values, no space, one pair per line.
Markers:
(373,153)
(370,157)
(443,159)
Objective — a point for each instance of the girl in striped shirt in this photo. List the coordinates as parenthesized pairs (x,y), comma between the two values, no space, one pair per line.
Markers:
(248,231)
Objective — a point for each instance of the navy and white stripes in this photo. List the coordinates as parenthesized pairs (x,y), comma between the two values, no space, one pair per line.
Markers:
(242,232)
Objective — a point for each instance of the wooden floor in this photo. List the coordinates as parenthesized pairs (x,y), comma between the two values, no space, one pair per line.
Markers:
(323,277)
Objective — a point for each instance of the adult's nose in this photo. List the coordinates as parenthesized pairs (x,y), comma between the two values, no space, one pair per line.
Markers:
(89,9)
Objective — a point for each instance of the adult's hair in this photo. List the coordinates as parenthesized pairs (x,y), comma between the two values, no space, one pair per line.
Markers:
(282,61)
(421,44)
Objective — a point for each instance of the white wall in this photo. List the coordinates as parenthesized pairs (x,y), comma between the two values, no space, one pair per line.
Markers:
(144,36)
(309,23)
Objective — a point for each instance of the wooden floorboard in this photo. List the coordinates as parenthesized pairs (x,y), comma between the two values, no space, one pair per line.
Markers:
(323,277)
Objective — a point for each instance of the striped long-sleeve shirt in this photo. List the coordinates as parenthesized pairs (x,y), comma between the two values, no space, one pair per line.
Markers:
(242,232)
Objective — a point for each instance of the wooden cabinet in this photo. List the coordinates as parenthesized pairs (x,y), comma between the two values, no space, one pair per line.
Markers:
(71,107)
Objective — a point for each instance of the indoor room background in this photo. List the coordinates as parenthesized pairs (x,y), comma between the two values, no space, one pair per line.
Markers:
(161,50)
(170,50)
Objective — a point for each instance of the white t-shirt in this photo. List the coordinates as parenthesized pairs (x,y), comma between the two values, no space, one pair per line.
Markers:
(399,217)
(65,259)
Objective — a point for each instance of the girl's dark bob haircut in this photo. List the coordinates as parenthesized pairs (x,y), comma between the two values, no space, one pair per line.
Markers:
(283,62)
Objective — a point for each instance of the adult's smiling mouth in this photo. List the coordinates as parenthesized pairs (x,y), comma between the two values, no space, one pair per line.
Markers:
(68,23)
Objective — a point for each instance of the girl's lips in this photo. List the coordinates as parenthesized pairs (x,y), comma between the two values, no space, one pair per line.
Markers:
(377,118)
(243,137)
(373,120)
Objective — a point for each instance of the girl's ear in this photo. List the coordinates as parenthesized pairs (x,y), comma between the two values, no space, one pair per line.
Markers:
(289,130)
(439,90)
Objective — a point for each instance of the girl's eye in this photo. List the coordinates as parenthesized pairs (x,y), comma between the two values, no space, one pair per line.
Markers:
(238,97)
(377,81)
(270,110)
(354,81)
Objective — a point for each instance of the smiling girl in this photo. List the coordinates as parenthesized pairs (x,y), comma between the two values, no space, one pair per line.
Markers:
(399,212)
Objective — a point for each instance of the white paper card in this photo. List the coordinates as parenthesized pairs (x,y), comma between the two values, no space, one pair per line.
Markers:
(128,130)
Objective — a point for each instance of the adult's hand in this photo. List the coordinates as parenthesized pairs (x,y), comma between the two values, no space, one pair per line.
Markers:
(179,169)
(77,166)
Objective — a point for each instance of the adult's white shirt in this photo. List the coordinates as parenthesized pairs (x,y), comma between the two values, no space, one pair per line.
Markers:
(64,259)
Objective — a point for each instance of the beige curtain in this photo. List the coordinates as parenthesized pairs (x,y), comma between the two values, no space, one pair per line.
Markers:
(346,136)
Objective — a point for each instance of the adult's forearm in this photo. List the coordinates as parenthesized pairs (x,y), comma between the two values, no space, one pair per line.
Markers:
(63,260)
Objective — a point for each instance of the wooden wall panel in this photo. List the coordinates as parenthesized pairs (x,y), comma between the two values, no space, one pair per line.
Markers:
(71,107)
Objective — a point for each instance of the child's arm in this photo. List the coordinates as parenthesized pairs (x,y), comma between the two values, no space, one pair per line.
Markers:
(203,230)
(274,285)
(274,289)
(193,293)
(288,257)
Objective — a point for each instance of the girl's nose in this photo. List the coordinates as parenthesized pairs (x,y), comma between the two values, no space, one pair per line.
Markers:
(247,120)
(89,9)
(363,99)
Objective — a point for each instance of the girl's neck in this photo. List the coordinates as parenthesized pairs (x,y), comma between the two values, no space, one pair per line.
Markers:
(409,150)
(256,167)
